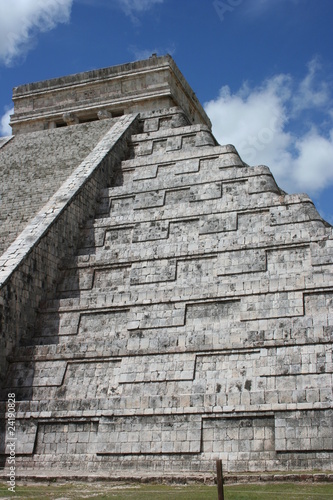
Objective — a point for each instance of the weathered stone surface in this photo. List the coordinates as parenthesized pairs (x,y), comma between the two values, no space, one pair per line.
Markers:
(34,167)
(30,265)
(192,319)
(148,85)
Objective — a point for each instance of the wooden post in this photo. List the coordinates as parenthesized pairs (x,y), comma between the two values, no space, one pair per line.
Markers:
(219,480)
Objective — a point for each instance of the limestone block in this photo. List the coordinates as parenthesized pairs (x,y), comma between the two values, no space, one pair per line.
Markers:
(177,120)
(158,368)
(99,325)
(211,224)
(25,436)
(91,237)
(184,230)
(38,374)
(253,221)
(112,277)
(237,435)
(64,435)
(152,434)
(189,140)
(319,306)
(144,148)
(322,253)
(263,183)
(177,196)
(147,172)
(90,379)
(230,159)
(206,192)
(150,231)
(117,236)
(55,324)
(149,200)
(158,147)
(151,125)
(121,205)
(153,272)
(243,261)
(174,143)
(194,271)
(302,422)
(74,279)
(157,316)
(272,305)
(298,212)
(187,167)
(284,262)
(204,138)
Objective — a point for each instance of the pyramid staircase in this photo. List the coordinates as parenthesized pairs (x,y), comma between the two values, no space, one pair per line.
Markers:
(195,323)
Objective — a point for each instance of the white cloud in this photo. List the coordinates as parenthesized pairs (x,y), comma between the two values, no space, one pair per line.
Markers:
(131,8)
(311,93)
(138,5)
(313,167)
(5,128)
(266,124)
(134,7)
(21,20)
(146,53)
(142,53)
(126,5)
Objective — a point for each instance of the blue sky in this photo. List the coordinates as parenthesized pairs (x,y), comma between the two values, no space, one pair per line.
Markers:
(262,69)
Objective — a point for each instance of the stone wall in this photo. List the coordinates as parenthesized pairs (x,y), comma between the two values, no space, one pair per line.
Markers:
(30,266)
(33,168)
(194,323)
(147,85)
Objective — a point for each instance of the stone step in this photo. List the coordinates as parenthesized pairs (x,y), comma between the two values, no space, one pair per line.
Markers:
(182,380)
(118,248)
(274,259)
(198,176)
(168,118)
(174,139)
(179,399)
(274,269)
(202,244)
(290,332)
(102,323)
(218,199)
(228,152)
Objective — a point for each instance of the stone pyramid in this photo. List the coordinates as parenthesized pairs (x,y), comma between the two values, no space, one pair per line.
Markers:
(163,304)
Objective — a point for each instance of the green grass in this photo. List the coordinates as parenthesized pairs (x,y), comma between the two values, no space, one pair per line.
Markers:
(103,491)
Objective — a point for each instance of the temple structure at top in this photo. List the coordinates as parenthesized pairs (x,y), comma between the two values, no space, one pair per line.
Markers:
(142,86)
